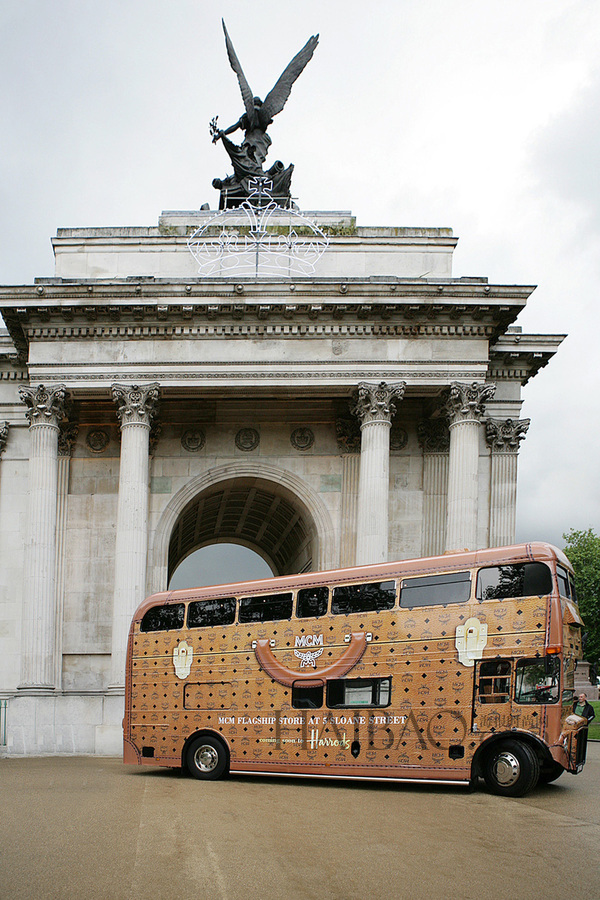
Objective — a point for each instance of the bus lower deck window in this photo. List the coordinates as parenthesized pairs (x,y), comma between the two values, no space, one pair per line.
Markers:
(306,697)
(350,692)
(537,680)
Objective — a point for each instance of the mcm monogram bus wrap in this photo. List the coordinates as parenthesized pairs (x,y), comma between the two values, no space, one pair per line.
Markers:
(443,669)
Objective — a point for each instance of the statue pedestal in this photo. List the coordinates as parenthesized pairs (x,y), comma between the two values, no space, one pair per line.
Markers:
(582,681)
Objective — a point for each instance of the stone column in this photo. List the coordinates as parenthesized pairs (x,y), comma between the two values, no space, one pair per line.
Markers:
(348,441)
(66,438)
(46,409)
(374,406)
(136,408)
(503,437)
(434,438)
(464,407)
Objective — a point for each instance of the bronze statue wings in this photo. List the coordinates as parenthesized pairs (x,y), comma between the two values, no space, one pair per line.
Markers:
(276,98)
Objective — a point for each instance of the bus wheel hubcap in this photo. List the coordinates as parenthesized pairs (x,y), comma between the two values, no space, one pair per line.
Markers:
(206,758)
(506,769)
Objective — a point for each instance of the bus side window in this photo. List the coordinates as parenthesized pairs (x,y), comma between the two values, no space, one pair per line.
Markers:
(312,602)
(538,680)
(163,618)
(266,608)
(518,580)
(348,692)
(304,697)
(355,598)
(209,613)
(566,587)
(435,590)
(494,681)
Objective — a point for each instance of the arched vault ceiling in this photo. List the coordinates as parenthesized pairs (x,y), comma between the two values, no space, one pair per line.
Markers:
(249,512)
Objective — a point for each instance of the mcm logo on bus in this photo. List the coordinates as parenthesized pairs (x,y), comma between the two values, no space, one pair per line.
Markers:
(309,657)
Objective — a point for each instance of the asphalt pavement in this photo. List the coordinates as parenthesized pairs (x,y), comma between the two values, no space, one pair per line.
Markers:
(84,828)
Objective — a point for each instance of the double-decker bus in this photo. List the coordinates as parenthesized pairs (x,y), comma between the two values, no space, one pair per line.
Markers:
(442,669)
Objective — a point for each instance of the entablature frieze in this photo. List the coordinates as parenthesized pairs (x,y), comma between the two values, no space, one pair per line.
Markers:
(422,377)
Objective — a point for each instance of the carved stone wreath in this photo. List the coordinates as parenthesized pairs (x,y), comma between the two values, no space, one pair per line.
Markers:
(302,438)
(398,438)
(247,439)
(97,440)
(193,440)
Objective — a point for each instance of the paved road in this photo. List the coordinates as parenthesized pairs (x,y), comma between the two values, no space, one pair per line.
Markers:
(84,828)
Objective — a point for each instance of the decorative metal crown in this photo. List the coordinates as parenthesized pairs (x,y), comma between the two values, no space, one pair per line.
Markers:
(256,250)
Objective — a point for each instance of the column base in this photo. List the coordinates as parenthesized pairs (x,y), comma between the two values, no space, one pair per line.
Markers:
(36,690)
(115,690)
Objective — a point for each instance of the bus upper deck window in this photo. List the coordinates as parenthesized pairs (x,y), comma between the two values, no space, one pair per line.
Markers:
(312,602)
(435,590)
(210,613)
(517,580)
(163,618)
(360,598)
(266,608)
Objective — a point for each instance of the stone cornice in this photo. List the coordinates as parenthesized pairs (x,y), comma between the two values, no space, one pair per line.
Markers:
(58,310)
(149,290)
(143,329)
(519,357)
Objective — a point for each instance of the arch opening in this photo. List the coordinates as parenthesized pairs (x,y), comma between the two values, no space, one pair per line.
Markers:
(218,563)
(251,512)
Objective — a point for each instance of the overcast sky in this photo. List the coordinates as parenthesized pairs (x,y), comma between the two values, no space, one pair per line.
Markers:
(480,115)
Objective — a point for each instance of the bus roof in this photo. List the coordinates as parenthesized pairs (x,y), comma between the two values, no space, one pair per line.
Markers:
(535,551)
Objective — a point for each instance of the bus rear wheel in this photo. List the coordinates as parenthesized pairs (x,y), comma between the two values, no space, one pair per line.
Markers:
(511,769)
(206,758)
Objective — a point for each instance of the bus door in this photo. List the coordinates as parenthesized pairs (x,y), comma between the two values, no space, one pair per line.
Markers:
(492,695)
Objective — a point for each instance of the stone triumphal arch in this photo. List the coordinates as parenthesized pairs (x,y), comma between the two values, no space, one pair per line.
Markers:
(364,405)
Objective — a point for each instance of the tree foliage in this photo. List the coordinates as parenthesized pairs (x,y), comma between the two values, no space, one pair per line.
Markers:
(583,551)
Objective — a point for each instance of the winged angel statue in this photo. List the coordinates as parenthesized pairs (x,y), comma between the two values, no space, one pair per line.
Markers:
(249,156)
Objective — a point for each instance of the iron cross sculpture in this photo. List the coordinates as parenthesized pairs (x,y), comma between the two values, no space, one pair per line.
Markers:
(248,158)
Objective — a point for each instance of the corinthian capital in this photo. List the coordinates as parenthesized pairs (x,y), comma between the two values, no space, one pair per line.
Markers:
(377,402)
(504,435)
(45,407)
(3,435)
(136,405)
(465,402)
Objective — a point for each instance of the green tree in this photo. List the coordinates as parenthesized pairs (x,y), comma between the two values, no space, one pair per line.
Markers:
(583,550)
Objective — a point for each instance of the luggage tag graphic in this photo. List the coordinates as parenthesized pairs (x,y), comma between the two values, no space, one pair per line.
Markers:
(182,659)
(471,640)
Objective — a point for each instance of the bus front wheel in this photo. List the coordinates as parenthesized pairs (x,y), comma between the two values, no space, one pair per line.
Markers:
(206,758)
(511,769)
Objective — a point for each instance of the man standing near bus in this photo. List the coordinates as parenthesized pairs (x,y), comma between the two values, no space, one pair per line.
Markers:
(581,707)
